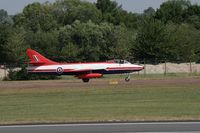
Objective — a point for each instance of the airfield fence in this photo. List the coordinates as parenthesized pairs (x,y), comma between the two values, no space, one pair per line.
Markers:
(151,67)
(165,68)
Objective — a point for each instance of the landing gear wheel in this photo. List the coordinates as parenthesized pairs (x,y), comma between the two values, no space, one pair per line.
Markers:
(128,78)
(85,80)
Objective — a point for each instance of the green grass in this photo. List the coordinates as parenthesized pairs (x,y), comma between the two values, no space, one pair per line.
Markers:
(140,75)
(110,103)
(137,75)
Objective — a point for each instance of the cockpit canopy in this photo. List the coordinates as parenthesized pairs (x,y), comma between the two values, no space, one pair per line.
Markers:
(119,61)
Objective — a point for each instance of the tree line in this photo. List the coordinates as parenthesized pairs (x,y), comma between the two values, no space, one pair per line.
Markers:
(75,30)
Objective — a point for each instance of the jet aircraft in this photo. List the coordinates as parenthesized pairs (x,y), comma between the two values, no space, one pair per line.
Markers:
(39,64)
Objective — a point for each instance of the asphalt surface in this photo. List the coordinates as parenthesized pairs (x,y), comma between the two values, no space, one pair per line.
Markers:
(163,127)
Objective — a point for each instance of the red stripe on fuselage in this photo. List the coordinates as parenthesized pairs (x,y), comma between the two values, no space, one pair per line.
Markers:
(75,63)
(54,70)
(86,63)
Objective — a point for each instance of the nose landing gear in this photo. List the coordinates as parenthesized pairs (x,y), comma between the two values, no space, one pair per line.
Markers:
(128,78)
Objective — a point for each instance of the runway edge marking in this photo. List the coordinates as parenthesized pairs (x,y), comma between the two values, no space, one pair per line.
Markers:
(101,124)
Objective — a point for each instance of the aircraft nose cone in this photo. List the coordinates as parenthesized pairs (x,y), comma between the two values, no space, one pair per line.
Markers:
(142,67)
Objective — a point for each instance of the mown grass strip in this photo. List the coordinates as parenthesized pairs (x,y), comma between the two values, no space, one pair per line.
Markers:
(106,103)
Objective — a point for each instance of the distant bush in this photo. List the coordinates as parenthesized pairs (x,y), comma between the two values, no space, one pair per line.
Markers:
(23,75)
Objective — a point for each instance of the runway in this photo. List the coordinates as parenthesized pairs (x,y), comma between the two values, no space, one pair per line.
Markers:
(148,127)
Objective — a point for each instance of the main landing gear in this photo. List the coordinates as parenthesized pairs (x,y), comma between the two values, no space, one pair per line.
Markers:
(128,78)
(85,80)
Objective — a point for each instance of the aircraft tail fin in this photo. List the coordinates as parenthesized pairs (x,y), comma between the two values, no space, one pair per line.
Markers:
(37,59)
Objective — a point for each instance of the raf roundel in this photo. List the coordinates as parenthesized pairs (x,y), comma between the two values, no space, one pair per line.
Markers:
(59,70)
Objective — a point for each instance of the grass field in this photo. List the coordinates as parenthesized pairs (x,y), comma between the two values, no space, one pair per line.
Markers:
(153,76)
(124,102)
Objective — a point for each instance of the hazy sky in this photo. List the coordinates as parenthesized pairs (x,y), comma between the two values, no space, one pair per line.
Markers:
(16,6)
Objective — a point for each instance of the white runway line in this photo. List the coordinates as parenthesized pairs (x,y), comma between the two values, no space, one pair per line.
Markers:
(102,124)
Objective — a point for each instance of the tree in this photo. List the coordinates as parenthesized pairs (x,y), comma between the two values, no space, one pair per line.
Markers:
(152,41)
(107,6)
(3,15)
(88,37)
(68,11)
(172,10)
(110,11)
(17,46)
(5,32)
(93,42)
(44,42)
(149,11)
(123,40)
(37,17)
(113,13)
(192,16)
(68,49)
(185,41)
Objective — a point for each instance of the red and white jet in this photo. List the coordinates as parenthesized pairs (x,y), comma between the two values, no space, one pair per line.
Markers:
(85,71)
